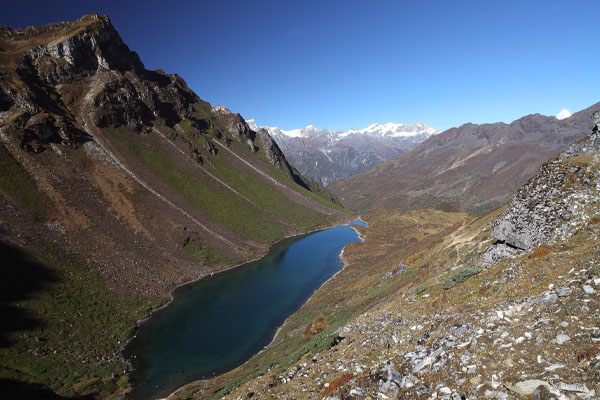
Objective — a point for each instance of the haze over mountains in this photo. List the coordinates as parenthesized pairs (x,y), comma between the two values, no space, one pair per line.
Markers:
(328,156)
(473,168)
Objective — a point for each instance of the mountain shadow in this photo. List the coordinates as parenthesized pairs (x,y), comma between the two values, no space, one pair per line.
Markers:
(21,277)
(16,390)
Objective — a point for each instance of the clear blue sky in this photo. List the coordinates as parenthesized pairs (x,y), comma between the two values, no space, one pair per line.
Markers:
(343,64)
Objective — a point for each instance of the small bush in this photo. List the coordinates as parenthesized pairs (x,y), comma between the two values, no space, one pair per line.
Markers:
(317,326)
(539,252)
(460,276)
(421,289)
(336,384)
(594,220)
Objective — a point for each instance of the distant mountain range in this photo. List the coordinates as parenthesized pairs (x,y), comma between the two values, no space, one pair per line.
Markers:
(473,168)
(328,156)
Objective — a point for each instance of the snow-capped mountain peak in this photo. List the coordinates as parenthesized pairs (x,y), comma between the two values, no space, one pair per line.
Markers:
(564,113)
(327,156)
(389,129)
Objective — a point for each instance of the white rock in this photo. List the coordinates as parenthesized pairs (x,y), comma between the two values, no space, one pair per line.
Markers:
(445,390)
(528,335)
(590,395)
(525,388)
(588,289)
(520,339)
(561,338)
(555,367)
(501,396)
(573,387)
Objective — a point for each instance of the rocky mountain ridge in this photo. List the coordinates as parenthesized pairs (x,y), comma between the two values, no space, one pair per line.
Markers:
(328,156)
(76,100)
(474,168)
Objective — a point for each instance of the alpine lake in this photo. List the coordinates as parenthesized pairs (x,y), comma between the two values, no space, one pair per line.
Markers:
(215,324)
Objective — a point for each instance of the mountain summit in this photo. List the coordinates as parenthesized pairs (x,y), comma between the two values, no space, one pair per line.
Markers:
(564,113)
(328,156)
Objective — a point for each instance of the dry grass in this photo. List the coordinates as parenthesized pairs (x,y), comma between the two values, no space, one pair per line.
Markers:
(336,384)
(317,326)
(540,252)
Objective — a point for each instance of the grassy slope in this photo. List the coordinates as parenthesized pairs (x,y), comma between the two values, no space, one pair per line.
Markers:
(17,186)
(317,193)
(351,292)
(266,221)
(211,198)
(66,325)
(61,327)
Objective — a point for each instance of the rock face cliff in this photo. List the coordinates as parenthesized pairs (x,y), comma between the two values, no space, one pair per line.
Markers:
(127,158)
(555,203)
(473,168)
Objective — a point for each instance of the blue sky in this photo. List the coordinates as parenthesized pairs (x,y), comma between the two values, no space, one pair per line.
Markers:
(347,64)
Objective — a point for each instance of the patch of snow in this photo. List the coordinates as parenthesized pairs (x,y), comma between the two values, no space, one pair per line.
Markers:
(389,129)
(564,113)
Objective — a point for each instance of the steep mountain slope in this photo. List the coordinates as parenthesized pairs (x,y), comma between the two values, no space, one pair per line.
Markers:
(448,324)
(327,156)
(473,168)
(110,144)
(120,183)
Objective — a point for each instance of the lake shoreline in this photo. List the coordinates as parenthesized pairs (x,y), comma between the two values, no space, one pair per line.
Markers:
(171,297)
(344,263)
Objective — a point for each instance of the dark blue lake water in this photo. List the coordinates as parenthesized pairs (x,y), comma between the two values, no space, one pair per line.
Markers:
(219,322)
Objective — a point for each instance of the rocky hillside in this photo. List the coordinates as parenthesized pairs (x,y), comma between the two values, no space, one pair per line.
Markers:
(473,168)
(452,324)
(126,159)
(119,183)
(328,156)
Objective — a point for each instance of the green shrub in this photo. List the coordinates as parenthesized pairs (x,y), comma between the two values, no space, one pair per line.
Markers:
(421,289)
(460,276)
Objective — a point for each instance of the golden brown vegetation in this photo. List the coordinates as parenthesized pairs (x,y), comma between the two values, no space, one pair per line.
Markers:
(318,325)
(539,252)
(336,384)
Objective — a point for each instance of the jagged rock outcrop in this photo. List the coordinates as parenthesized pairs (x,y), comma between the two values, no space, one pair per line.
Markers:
(237,126)
(83,67)
(552,205)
